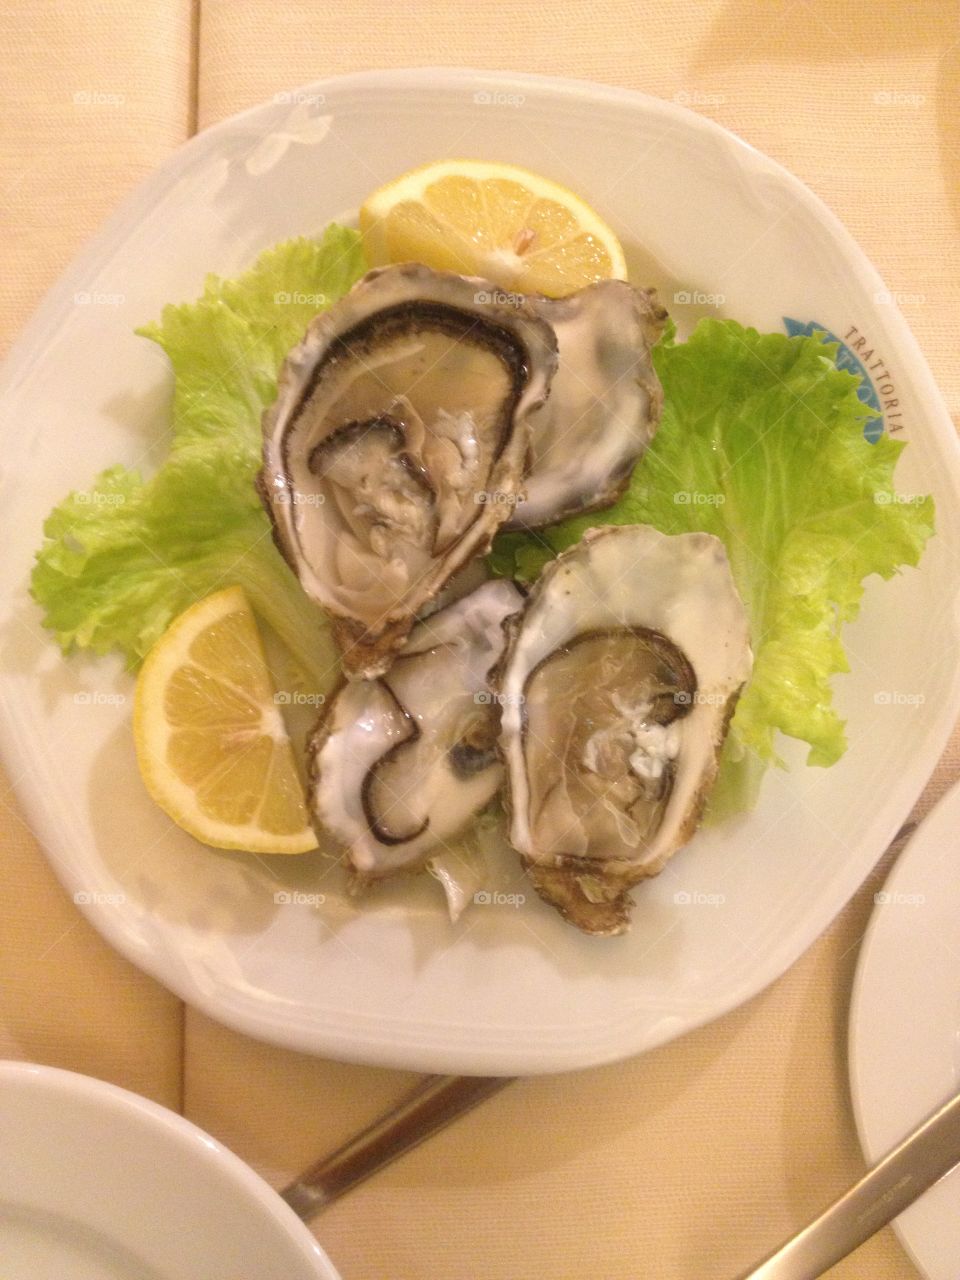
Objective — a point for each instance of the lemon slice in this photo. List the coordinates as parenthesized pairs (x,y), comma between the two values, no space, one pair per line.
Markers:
(211,743)
(477,217)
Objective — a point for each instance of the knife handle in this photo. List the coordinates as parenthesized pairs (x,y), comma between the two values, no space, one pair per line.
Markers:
(431,1105)
(919,1161)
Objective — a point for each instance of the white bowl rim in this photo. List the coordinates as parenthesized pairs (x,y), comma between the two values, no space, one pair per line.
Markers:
(62,1085)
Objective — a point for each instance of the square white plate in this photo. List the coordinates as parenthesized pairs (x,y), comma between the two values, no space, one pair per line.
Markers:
(510,989)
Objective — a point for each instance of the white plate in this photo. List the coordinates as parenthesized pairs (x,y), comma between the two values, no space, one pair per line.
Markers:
(905,1023)
(99,1184)
(512,989)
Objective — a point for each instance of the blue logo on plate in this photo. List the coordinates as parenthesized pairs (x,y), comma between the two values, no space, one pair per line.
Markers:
(873,427)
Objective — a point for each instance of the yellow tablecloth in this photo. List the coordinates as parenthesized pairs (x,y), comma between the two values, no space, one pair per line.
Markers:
(687,1162)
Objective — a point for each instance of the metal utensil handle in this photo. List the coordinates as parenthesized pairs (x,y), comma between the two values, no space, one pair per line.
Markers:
(430,1106)
(923,1157)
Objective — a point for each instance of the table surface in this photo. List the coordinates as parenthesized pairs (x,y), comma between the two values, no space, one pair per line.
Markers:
(691,1160)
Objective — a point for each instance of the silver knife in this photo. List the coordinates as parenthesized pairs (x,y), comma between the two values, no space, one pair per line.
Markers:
(431,1105)
(920,1160)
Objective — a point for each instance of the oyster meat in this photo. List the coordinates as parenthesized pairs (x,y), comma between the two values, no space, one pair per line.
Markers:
(604,403)
(617,686)
(397,444)
(400,763)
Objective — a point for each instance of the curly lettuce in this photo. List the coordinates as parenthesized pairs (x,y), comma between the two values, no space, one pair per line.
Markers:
(121,558)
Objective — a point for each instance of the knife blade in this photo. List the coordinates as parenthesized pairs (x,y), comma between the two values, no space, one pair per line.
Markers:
(431,1105)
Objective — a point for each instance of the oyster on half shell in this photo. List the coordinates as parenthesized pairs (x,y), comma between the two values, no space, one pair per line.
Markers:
(401,763)
(604,404)
(616,690)
(397,444)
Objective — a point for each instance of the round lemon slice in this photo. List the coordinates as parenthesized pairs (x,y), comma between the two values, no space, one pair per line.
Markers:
(477,217)
(211,744)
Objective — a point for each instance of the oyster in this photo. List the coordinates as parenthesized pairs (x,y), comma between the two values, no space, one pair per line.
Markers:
(617,687)
(396,445)
(400,764)
(604,404)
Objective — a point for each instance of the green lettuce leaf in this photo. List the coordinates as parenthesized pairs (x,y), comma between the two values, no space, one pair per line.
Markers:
(762,444)
(123,557)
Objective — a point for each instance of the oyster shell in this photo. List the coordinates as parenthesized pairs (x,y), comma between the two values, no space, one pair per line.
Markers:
(616,690)
(604,404)
(397,443)
(399,764)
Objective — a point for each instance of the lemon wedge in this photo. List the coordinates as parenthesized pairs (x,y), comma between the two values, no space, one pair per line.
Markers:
(211,744)
(522,231)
